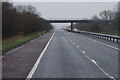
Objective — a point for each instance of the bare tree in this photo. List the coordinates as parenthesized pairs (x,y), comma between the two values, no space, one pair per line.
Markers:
(21,19)
(107,15)
(31,9)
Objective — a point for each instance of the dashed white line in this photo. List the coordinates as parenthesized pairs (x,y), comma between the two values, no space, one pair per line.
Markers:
(102,70)
(87,57)
(96,64)
(77,46)
(83,51)
(95,61)
(39,59)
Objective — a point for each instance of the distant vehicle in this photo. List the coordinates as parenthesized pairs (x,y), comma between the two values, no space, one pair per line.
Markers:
(75,29)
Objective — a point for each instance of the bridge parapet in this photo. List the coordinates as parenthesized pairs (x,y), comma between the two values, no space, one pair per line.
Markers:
(80,21)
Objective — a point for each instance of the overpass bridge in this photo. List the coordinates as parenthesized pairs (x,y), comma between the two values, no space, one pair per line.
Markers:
(77,21)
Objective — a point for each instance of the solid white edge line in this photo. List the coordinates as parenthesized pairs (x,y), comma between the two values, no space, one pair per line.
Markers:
(14,49)
(39,59)
(104,44)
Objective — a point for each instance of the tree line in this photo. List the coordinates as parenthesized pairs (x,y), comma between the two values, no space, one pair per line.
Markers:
(22,19)
(111,28)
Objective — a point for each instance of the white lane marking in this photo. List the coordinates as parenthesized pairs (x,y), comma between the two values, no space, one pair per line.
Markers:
(97,64)
(94,61)
(102,70)
(33,39)
(104,44)
(83,51)
(39,59)
(20,47)
(11,51)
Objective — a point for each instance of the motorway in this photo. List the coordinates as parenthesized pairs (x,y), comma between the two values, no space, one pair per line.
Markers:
(73,55)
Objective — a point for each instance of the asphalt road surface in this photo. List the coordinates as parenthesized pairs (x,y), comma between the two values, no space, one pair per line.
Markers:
(72,55)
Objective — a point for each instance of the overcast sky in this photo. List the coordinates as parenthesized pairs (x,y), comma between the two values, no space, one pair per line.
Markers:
(69,9)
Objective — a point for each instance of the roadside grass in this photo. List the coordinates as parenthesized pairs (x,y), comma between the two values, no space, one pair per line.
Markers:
(110,33)
(18,40)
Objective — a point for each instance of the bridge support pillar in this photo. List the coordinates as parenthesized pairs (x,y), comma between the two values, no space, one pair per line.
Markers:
(71,26)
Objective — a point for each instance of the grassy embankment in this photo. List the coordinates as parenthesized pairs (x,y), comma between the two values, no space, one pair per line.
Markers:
(110,33)
(18,40)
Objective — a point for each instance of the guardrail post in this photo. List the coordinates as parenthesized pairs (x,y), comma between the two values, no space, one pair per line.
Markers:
(113,39)
(110,38)
(117,40)
(71,26)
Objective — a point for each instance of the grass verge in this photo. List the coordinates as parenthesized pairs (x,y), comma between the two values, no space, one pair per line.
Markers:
(116,34)
(18,40)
